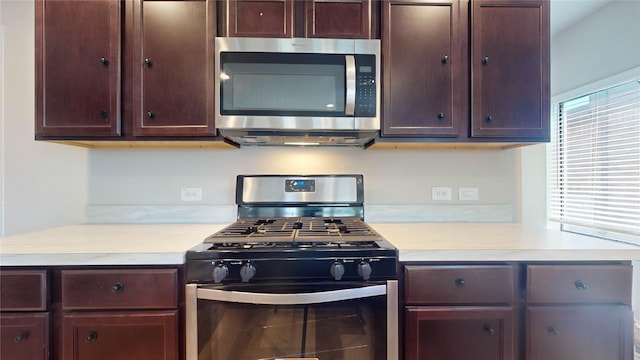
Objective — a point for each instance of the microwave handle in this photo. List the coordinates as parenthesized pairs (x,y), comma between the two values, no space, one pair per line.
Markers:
(350,70)
(291,299)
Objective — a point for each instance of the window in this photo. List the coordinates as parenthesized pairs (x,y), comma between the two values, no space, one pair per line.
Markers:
(594,165)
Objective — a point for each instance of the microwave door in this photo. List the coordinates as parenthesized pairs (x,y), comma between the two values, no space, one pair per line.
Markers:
(350,99)
(293,85)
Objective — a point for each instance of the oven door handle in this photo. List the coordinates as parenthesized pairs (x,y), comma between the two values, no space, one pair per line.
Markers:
(291,299)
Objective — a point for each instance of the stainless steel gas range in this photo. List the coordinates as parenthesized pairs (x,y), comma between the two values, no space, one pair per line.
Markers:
(298,275)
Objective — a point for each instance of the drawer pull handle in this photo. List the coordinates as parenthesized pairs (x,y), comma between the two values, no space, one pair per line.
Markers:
(91,336)
(488,329)
(23,336)
(581,285)
(460,282)
(117,288)
(552,330)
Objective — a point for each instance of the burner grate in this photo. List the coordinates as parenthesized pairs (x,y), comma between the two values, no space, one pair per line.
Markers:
(300,230)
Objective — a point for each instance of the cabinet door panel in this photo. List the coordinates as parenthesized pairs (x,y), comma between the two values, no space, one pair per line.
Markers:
(579,332)
(173,73)
(24,336)
(339,19)
(510,69)
(459,333)
(422,65)
(120,335)
(78,68)
(260,18)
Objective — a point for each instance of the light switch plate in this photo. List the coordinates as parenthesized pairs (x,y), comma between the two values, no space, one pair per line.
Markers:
(468,193)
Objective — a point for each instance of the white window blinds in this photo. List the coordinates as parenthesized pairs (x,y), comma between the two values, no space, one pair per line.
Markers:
(594,164)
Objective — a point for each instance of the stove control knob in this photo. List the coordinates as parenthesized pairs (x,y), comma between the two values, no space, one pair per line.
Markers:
(364,270)
(337,270)
(220,272)
(247,271)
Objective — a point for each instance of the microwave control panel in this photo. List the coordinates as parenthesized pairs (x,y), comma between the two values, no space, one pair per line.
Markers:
(366,85)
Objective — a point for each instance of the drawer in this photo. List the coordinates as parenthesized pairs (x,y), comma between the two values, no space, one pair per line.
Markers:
(579,283)
(23,290)
(120,289)
(459,284)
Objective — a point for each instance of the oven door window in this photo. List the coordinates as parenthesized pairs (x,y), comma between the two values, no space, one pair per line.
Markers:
(282,84)
(345,329)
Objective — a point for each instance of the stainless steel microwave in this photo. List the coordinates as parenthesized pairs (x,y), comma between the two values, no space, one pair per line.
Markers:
(273,91)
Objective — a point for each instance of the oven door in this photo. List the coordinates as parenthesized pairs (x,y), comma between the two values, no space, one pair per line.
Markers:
(325,321)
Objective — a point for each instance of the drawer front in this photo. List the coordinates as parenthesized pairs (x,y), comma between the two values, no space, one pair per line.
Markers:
(120,289)
(23,290)
(579,283)
(463,284)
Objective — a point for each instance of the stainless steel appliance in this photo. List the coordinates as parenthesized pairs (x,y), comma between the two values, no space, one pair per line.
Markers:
(297,91)
(299,275)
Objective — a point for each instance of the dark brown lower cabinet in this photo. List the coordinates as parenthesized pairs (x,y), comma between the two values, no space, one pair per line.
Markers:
(459,333)
(24,336)
(579,332)
(525,311)
(121,335)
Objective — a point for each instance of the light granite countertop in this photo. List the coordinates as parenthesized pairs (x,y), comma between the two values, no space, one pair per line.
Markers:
(166,244)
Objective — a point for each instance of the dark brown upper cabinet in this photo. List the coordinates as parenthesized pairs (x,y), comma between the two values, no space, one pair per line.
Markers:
(78,68)
(339,19)
(173,68)
(256,18)
(289,18)
(423,66)
(466,70)
(510,69)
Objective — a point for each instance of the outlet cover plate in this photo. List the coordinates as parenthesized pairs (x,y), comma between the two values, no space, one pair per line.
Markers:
(441,193)
(191,194)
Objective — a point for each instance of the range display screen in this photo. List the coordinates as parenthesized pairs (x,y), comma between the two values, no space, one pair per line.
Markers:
(300,185)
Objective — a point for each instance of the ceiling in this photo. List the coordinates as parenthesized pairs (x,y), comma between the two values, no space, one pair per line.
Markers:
(565,13)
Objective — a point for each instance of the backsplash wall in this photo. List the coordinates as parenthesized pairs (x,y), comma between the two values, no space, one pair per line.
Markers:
(147,181)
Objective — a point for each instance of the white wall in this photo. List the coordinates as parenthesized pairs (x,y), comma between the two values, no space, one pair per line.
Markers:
(134,177)
(43,184)
(601,45)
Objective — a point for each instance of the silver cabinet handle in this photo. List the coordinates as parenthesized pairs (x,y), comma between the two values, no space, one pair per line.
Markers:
(291,299)
(350,105)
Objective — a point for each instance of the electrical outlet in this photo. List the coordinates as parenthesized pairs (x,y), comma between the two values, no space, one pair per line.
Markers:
(441,193)
(191,194)
(468,193)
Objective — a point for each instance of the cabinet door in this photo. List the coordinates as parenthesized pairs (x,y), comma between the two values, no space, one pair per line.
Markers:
(338,19)
(510,69)
(120,335)
(24,336)
(173,71)
(77,68)
(422,63)
(459,333)
(260,18)
(579,332)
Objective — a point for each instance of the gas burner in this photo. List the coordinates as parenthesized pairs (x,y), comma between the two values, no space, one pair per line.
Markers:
(303,229)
